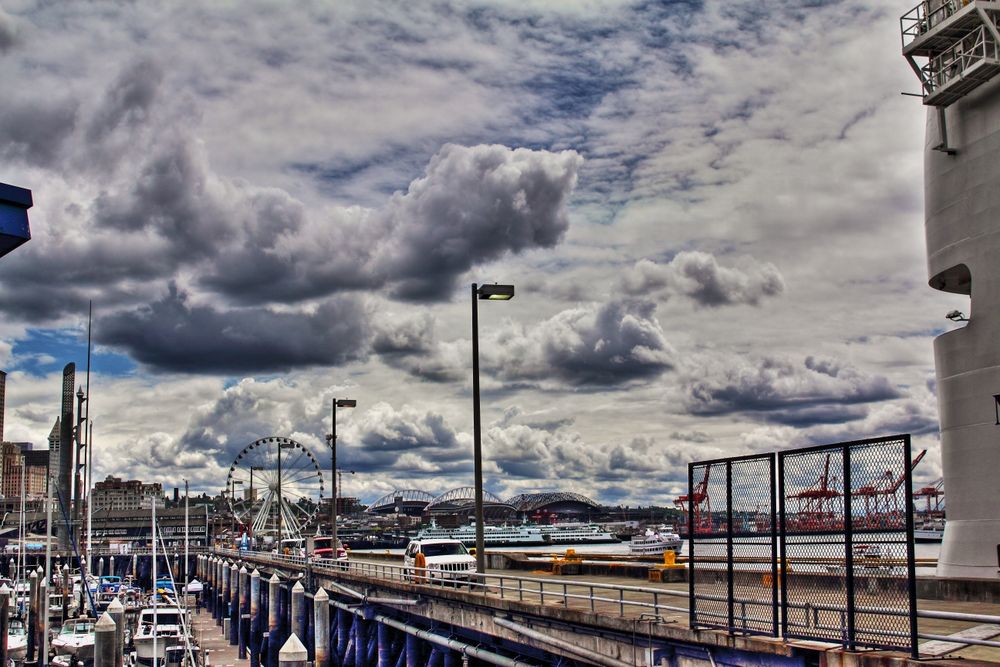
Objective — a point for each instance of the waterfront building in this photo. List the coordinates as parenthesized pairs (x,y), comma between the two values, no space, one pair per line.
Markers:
(114,494)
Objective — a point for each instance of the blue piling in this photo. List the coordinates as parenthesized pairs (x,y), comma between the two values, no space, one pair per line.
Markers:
(360,642)
(344,627)
(413,657)
(384,645)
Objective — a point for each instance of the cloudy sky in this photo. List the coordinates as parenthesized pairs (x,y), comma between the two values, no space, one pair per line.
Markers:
(712,213)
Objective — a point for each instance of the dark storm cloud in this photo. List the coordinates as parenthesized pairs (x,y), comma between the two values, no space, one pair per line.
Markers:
(784,391)
(603,345)
(173,334)
(172,199)
(34,131)
(699,276)
(128,100)
(8,31)
(474,205)
(403,336)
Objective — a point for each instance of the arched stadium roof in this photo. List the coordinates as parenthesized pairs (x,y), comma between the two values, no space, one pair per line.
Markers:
(409,497)
(463,495)
(530,502)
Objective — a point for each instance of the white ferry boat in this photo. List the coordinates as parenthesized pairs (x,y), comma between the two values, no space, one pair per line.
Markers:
(656,542)
(929,531)
(523,535)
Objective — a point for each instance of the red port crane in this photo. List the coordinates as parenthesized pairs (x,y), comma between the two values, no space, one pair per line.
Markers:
(883,508)
(934,495)
(702,505)
(816,507)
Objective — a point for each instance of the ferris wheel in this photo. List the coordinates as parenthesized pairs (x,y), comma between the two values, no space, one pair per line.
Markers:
(275,487)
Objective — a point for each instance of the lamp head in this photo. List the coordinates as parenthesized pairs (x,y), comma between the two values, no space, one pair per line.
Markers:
(346,403)
(496,292)
(957,316)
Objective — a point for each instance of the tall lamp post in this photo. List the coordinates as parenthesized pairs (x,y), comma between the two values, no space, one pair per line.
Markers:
(489,293)
(332,439)
(281,509)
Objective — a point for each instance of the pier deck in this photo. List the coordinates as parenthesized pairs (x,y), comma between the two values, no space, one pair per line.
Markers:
(216,647)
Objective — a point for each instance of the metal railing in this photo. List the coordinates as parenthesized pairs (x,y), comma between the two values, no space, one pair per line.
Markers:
(954,63)
(922,18)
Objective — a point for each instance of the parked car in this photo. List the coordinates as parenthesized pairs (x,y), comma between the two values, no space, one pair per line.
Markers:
(323,548)
(438,561)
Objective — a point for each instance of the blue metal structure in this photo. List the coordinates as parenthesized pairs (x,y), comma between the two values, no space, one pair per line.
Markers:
(14,205)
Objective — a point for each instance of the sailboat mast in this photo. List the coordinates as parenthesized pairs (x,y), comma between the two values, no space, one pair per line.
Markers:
(186,571)
(44,603)
(154,580)
(88,456)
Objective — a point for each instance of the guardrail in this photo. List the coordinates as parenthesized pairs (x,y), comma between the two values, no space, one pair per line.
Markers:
(622,601)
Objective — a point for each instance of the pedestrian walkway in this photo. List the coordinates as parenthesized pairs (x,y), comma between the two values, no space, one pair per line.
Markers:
(216,648)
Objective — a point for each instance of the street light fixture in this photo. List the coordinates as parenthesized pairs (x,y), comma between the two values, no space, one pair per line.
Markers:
(331,437)
(489,293)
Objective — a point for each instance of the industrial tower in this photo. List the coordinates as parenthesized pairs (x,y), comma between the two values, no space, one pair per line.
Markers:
(953,46)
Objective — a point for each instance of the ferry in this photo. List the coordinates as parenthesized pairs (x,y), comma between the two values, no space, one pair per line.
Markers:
(929,531)
(656,542)
(523,535)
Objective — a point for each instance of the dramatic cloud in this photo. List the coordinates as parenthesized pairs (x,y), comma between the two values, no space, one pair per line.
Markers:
(264,223)
(610,344)
(698,276)
(802,393)
(175,334)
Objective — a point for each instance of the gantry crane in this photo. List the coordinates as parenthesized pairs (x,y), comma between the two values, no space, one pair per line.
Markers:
(702,505)
(883,507)
(817,507)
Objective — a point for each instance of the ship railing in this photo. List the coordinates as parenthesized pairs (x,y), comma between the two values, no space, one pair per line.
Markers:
(639,602)
(925,16)
(954,63)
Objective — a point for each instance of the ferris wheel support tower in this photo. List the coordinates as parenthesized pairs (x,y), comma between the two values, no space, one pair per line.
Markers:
(954,48)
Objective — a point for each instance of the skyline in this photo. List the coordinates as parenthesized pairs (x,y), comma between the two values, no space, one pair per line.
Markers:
(712,214)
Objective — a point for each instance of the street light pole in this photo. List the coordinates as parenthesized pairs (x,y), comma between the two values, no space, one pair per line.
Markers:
(332,439)
(492,293)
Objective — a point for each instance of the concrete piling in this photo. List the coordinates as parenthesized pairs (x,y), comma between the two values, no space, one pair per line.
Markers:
(255,614)
(243,611)
(4,621)
(223,591)
(293,653)
(321,628)
(116,610)
(234,605)
(273,619)
(299,611)
(32,616)
(105,648)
